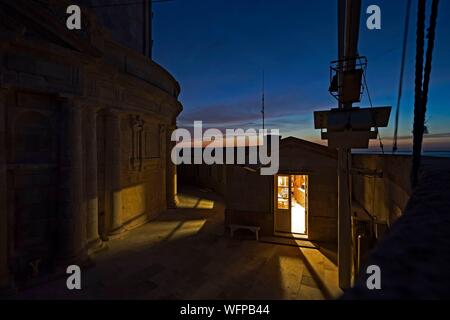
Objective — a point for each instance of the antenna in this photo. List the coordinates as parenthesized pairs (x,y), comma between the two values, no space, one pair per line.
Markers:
(262,107)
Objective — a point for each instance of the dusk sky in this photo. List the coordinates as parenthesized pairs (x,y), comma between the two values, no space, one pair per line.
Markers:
(217,50)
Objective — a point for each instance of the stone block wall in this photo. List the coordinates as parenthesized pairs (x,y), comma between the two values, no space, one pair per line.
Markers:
(143,167)
(383,186)
(249,199)
(85,126)
(321,168)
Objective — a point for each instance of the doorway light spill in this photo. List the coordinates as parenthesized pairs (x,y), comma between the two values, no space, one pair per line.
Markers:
(289,276)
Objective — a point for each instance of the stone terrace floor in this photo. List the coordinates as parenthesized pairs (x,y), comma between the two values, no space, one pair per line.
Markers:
(186,254)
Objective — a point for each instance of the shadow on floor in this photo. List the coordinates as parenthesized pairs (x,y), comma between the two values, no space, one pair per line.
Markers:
(186,254)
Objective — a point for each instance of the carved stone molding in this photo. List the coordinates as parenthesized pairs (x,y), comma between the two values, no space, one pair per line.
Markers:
(137,128)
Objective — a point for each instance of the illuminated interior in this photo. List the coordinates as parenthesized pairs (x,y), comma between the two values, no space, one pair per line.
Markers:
(292,198)
(298,204)
(283,192)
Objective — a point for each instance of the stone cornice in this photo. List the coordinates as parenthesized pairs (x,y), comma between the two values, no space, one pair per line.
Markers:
(37,18)
(138,82)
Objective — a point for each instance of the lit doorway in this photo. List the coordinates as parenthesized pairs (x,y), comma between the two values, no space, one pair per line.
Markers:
(291,210)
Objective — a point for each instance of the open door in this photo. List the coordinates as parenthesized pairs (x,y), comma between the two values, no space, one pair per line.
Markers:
(291,204)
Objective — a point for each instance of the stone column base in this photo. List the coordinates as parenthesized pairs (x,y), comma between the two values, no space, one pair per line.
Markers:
(96,246)
(173,202)
(117,233)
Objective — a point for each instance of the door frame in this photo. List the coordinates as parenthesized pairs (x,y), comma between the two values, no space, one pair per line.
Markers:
(287,211)
(275,204)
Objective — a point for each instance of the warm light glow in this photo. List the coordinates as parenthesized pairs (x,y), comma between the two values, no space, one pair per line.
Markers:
(292,203)
(289,279)
(283,192)
(186,201)
(205,204)
(298,218)
(133,201)
(192,202)
(186,229)
(299,185)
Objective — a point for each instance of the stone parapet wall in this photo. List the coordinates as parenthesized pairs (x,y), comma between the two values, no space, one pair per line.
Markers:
(414,257)
(381,184)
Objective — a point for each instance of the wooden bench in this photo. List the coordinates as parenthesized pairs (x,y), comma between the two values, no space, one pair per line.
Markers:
(234,227)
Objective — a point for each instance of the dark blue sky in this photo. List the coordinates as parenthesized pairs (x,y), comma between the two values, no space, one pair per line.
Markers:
(217,50)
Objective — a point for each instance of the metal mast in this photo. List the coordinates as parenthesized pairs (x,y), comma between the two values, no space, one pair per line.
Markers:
(348,127)
(349,19)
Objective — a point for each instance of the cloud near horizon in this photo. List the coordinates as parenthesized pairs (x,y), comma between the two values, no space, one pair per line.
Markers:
(283,112)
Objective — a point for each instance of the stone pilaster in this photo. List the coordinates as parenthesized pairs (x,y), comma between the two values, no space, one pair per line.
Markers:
(171,176)
(114,151)
(71,219)
(92,237)
(4,270)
